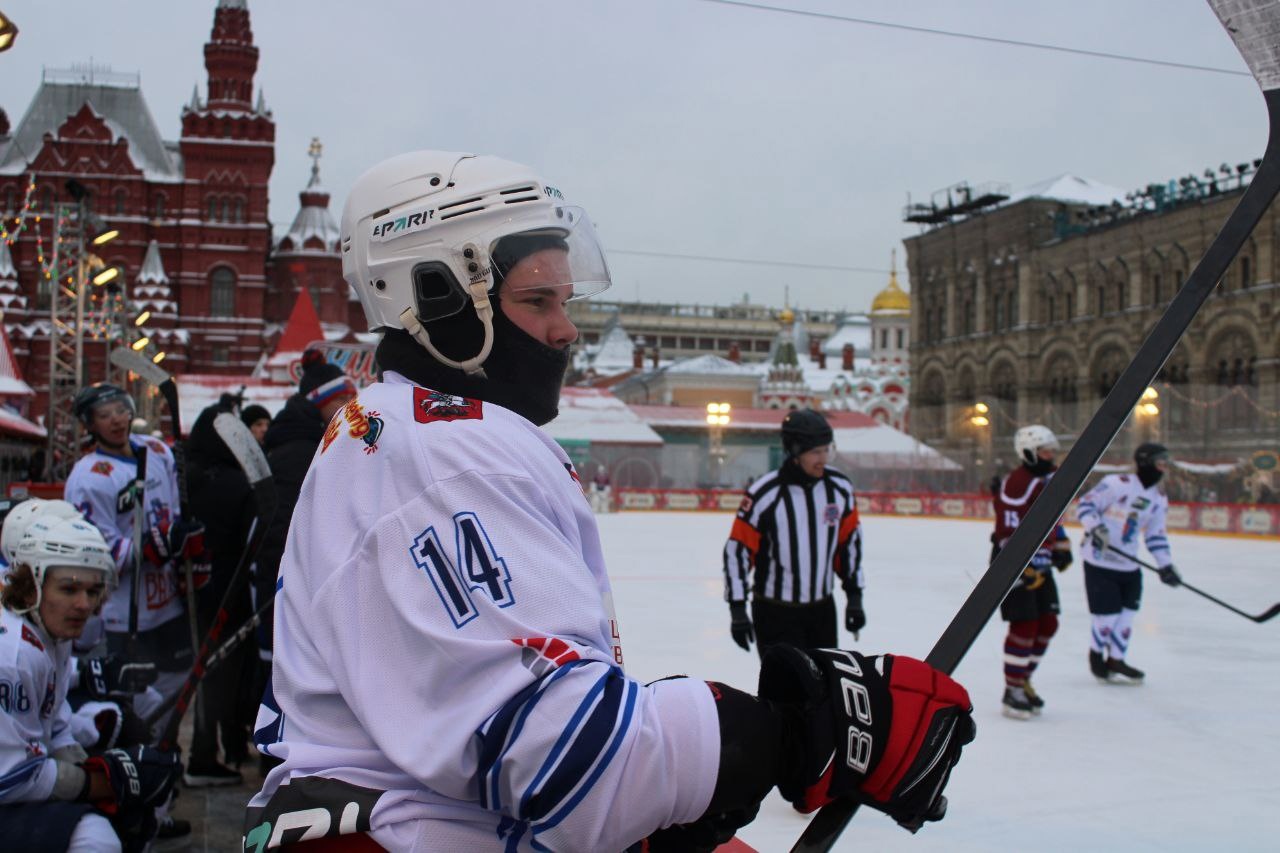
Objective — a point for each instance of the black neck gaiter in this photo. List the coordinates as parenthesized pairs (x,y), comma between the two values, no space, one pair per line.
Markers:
(1149,475)
(522,375)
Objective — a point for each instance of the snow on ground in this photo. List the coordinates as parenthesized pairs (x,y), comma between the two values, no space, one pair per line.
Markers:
(1185,762)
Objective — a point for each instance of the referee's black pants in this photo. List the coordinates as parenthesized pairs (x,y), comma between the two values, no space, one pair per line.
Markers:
(805,626)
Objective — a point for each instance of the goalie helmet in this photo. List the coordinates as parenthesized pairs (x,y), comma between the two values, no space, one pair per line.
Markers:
(21,517)
(804,429)
(52,542)
(1149,453)
(427,233)
(1029,440)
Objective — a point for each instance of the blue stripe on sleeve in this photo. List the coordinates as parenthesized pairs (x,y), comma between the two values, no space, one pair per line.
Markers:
(503,727)
(20,775)
(632,690)
(584,747)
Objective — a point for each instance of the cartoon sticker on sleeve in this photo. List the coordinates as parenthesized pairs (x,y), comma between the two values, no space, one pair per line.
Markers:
(365,426)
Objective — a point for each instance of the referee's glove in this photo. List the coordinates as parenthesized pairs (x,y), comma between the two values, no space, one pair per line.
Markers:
(740,625)
(855,618)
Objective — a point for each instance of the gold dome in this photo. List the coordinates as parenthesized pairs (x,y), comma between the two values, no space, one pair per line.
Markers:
(893,299)
(786,317)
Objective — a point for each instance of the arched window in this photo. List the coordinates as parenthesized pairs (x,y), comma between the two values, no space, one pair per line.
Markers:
(213,209)
(930,414)
(120,197)
(1234,365)
(222,293)
(237,210)
(9,196)
(1004,390)
(160,203)
(998,313)
(46,199)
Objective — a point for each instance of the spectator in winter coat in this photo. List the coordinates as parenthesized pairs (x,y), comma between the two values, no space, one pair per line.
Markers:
(220,494)
(291,443)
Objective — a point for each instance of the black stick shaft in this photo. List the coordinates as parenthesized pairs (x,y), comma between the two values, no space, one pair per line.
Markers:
(1044,513)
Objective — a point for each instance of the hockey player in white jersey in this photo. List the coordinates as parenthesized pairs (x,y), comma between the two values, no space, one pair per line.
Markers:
(448,673)
(53,796)
(101,486)
(1119,513)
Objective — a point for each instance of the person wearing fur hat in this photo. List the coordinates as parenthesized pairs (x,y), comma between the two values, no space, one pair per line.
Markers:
(257,419)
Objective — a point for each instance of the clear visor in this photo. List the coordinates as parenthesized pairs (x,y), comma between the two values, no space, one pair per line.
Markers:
(558,250)
(117,406)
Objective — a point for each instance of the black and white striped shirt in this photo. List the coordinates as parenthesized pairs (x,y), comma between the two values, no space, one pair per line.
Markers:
(796,536)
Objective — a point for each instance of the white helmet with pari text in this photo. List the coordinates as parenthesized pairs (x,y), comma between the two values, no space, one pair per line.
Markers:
(1030,439)
(53,542)
(23,515)
(424,235)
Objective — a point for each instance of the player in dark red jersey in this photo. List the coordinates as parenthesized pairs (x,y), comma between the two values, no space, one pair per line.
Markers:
(1031,607)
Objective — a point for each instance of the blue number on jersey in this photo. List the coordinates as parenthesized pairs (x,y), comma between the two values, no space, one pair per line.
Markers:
(430,557)
(482,568)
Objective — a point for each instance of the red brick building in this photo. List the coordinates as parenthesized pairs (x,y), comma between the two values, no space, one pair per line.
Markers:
(195,243)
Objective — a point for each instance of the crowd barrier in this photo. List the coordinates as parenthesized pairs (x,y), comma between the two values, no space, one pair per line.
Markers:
(1241,519)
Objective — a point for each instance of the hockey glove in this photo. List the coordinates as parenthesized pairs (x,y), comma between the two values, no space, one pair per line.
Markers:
(1060,556)
(1170,576)
(1032,578)
(165,542)
(112,677)
(884,729)
(139,776)
(1100,537)
(855,618)
(740,625)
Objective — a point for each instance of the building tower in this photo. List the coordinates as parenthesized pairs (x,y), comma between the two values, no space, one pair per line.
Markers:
(891,321)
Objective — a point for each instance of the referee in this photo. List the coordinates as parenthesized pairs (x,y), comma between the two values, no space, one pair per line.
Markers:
(797,529)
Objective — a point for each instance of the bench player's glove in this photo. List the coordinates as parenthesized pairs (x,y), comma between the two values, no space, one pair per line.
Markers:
(744,633)
(139,776)
(113,677)
(886,730)
(1100,537)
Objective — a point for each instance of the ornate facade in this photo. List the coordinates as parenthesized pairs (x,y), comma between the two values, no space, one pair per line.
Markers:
(1032,309)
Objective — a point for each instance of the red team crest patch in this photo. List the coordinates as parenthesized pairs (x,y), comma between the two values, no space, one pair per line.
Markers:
(102,467)
(430,406)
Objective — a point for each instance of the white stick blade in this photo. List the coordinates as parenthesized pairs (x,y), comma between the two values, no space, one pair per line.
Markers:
(151,373)
(243,446)
(1254,25)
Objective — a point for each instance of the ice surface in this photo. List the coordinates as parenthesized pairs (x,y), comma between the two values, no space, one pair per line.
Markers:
(1185,762)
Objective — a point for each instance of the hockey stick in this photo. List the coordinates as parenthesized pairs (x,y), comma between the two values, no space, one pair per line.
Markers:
(218,655)
(156,376)
(249,455)
(139,491)
(1269,613)
(1254,26)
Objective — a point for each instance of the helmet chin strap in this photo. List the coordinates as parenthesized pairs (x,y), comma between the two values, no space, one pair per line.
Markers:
(479,286)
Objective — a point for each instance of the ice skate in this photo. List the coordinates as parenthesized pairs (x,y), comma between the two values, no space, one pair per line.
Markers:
(1016,704)
(1098,666)
(1037,704)
(1122,673)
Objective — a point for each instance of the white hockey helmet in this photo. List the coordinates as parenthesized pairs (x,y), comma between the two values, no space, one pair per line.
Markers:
(1030,439)
(419,234)
(21,517)
(53,542)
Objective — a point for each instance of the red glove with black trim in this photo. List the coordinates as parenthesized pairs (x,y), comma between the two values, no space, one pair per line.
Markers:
(886,730)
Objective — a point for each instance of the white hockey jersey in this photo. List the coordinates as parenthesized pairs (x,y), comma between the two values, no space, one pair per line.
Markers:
(447,666)
(99,487)
(1129,509)
(35,674)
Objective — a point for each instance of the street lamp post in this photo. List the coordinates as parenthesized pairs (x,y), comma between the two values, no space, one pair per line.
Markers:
(718,417)
(1147,414)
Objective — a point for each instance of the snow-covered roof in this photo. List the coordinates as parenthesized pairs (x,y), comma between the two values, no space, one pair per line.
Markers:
(1070,189)
(311,222)
(152,271)
(15,424)
(742,419)
(712,364)
(854,329)
(882,446)
(198,391)
(615,352)
(7,270)
(595,415)
(122,105)
(11,381)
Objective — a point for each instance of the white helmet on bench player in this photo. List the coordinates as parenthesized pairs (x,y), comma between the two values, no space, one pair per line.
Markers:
(21,517)
(423,232)
(1030,439)
(52,542)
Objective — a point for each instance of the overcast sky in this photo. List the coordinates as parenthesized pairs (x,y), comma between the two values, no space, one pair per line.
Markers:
(689,127)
